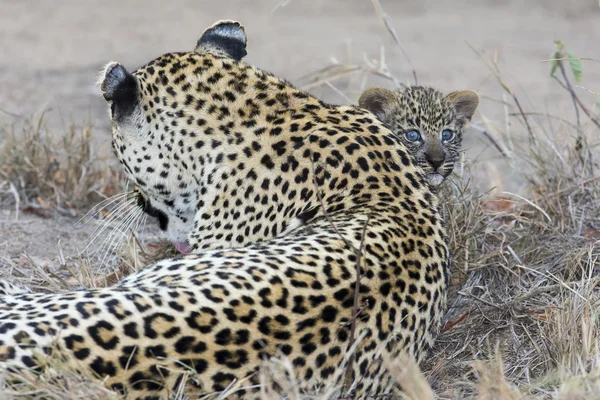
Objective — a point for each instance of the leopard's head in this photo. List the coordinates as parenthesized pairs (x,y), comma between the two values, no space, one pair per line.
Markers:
(163,133)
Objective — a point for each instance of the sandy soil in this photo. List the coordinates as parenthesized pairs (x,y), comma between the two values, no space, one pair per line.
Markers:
(51,52)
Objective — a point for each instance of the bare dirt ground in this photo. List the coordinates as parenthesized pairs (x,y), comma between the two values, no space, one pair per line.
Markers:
(51,52)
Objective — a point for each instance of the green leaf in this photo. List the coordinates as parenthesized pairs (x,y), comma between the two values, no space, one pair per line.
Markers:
(598,105)
(575,64)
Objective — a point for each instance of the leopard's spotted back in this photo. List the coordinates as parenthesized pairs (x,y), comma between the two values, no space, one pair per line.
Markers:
(237,161)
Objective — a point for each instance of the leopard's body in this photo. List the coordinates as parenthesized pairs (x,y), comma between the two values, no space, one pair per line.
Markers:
(7,288)
(272,189)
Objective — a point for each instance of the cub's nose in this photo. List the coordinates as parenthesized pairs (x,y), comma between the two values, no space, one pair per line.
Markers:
(435,159)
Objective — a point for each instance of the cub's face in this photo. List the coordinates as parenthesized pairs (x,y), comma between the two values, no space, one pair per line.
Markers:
(429,123)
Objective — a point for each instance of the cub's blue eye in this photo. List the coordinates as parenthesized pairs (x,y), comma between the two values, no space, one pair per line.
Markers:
(413,136)
(447,135)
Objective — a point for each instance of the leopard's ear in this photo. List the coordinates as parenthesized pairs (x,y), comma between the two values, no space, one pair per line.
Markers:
(465,103)
(379,101)
(120,88)
(116,83)
(225,39)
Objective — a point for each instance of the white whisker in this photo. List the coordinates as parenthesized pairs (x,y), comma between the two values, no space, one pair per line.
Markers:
(143,230)
(115,214)
(140,222)
(122,228)
(121,235)
(121,223)
(99,207)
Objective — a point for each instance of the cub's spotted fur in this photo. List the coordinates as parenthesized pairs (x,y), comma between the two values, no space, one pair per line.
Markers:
(272,190)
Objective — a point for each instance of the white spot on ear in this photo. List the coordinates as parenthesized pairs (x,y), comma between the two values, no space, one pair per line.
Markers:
(102,74)
(225,38)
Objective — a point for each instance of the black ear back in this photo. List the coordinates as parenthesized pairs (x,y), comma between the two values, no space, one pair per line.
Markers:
(225,38)
(116,83)
(119,87)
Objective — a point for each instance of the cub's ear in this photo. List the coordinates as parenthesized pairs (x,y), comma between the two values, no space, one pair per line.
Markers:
(116,83)
(225,38)
(379,101)
(465,103)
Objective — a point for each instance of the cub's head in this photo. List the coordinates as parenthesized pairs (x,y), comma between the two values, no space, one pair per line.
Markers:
(429,123)
(170,127)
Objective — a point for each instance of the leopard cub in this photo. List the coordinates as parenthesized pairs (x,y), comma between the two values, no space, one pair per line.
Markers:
(429,123)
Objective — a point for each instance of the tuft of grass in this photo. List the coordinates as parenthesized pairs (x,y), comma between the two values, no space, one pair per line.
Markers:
(54,171)
(44,172)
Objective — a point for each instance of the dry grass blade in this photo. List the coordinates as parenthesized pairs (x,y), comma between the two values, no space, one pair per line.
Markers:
(581,144)
(531,203)
(359,253)
(498,145)
(329,73)
(495,71)
(492,382)
(59,381)
(355,308)
(569,58)
(408,375)
(390,28)
(340,71)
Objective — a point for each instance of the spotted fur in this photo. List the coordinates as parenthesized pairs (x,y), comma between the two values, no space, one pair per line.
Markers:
(428,112)
(272,189)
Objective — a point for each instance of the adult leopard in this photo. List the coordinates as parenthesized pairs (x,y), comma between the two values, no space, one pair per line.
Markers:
(281,197)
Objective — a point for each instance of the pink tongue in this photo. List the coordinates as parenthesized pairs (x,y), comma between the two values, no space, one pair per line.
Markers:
(182,247)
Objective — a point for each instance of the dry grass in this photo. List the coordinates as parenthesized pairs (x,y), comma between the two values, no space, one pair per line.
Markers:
(524,294)
(62,174)
(41,169)
(59,382)
(525,274)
